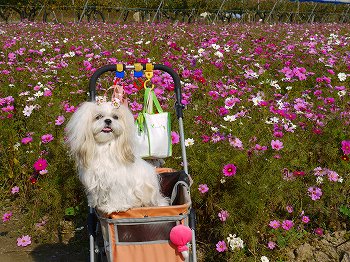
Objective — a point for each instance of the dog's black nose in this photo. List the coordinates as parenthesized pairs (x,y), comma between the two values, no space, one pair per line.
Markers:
(108,121)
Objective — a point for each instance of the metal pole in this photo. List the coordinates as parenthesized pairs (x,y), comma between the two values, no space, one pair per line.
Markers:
(82,14)
(219,10)
(154,17)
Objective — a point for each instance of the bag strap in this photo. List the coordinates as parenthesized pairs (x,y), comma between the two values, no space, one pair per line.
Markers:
(150,98)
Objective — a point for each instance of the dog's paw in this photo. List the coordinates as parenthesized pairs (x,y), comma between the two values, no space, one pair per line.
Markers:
(110,210)
(164,202)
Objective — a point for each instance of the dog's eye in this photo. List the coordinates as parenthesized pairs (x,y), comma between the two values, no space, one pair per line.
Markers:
(99,116)
(115,117)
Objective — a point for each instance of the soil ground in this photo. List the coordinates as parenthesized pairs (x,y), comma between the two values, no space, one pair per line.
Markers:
(71,247)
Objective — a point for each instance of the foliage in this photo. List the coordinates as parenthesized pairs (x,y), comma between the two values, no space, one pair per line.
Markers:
(272,100)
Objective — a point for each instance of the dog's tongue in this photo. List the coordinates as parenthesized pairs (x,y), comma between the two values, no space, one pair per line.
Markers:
(107,129)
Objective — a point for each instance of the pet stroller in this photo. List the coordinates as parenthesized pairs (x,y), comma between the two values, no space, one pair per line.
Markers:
(143,234)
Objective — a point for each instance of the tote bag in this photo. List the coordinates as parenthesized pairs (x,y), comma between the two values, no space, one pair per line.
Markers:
(153,129)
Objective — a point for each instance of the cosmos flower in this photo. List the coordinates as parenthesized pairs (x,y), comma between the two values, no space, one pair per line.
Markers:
(229,170)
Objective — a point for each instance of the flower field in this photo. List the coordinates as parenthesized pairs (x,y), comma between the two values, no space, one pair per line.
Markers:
(267,125)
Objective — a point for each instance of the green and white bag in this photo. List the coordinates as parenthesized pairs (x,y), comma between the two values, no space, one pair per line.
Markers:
(153,129)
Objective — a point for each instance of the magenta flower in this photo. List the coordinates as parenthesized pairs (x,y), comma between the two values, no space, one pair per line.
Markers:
(287,224)
(314,192)
(305,219)
(223,215)
(275,224)
(175,138)
(319,231)
(271,245)
(24,241)
(40,164)
(229,170)
(276,145)
(203,188)
(59,120)
(47,138)
(260,148)
(14,190)
(221,246)
(7,216)
(27,140)
(345,146)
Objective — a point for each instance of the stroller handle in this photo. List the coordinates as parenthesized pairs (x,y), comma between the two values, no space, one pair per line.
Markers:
(112,67)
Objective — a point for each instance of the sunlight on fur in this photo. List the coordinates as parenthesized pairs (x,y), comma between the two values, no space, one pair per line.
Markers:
(101,139)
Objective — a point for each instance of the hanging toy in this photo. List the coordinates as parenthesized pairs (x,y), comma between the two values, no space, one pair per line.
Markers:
(180,235)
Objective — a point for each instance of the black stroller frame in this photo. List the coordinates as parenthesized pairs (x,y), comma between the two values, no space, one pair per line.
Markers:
(94,220)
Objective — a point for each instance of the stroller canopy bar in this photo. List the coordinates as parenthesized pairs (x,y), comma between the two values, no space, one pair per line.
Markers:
(113,67)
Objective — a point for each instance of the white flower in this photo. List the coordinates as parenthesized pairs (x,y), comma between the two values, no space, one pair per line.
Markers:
(16,146)
(148,42)
(219,54)
(341,77)
(200,50)
(214,129)
(319,180)
(189,142)
(289,88)
(222,180)
(39,94)
(256,100)
(264,259)
(71,54)
(340,179)
(27,111)
(341,93)
(230,118)
(215,46)
(235,242)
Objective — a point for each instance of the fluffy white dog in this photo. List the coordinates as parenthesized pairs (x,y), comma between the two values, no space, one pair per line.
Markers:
(101,138)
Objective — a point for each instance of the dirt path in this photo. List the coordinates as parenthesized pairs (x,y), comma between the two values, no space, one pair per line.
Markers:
(73,249)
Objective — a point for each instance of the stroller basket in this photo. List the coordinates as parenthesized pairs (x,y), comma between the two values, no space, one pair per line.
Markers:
(143,234)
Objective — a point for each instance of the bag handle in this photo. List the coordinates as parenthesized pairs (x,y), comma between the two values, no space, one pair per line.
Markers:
(150,98)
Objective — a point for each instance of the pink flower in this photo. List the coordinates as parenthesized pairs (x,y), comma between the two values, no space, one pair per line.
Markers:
(305,219)
(333,176)
(287,224)
(24,241)
(289,209)
(271,245)
(275,224)
(345,146)
(14,190)
(229,170)
(223,215)
(221,246)
(203,188)
(27,140)
(276,145)
(7,216)
(47,92)
(236,142)
(260,148)
(40,164)
(314,192)
(175,138)
(59,120)
(47,138)
(319,231)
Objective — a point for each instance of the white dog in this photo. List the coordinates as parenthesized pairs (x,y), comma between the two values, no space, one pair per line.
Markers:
(101,138)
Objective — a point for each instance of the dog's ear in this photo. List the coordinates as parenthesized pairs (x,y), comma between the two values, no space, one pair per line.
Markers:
(79,134)
(125,144)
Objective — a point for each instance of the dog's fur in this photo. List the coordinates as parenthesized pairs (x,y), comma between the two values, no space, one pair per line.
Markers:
(101,138)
